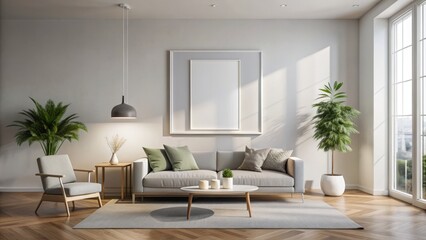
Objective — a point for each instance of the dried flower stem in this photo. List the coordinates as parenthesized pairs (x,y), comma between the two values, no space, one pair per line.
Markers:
(115,143)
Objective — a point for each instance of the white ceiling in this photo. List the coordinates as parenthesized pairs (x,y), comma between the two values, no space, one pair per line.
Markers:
(185,9)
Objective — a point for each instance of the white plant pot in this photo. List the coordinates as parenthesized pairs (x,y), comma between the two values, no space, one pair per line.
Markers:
(114,159)
(228,183)
(333,185)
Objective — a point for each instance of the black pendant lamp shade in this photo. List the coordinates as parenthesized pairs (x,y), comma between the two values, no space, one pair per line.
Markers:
(123,111)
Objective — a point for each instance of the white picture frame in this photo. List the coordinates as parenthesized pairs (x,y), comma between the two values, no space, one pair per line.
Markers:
(250,99)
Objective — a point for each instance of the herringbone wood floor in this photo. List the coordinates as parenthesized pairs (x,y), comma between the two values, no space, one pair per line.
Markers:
(382,218)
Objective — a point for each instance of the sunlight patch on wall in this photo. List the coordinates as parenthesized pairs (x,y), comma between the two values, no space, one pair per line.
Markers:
(313,72)
(275,108)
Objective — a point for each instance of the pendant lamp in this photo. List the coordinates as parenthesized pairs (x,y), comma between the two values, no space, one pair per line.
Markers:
(123,110)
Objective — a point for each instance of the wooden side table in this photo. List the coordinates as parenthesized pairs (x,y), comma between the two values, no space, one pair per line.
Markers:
(124,166)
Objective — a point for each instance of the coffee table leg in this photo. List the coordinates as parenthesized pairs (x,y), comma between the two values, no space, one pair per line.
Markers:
(188,210)
(248,203)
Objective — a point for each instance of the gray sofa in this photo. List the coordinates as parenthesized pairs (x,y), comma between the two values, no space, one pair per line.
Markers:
(148,183)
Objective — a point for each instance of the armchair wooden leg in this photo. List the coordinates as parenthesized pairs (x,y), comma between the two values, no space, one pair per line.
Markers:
(38,206)
(73,205)
(67,208)
(99,200)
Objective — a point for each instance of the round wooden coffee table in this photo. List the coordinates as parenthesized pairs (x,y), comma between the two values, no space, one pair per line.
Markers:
(236,190)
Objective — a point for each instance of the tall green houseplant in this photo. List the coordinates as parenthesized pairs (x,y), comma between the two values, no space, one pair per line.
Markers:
(333,122)
(48,126)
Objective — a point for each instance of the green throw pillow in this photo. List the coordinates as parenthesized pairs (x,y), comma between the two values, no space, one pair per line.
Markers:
(181,158)
(157,159)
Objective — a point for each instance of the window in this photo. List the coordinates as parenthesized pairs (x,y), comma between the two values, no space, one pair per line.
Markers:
(408,104)
(422,98)
(401,53)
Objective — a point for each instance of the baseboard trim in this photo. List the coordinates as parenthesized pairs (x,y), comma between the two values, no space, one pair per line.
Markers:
(382,192)
(366,190)
(352,186)
(357,187)
(21,189)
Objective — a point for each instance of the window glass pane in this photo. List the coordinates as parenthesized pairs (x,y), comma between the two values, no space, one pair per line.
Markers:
(422,55)
(406,31)
(398,67)
(423,20)
(406,98)
(423,168)
(403,166)
(423,97)
(398,36)
(398,99)
(403,132)
(423,123)
(406,64)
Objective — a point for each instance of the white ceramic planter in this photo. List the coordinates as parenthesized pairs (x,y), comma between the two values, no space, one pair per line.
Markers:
(228,183)
(333,185)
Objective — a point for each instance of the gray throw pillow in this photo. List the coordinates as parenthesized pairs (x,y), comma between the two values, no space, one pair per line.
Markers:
(181,158)
(254,159)
(277,160)
(157,159)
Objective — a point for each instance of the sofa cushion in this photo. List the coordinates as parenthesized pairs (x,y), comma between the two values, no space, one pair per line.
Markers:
(266,178)
(277,159)
(158,160)
(254,159)
(177,179)
(75,188)
(228,159)
(205,160)
(181,158)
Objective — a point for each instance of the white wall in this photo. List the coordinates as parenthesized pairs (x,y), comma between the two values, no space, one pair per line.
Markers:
(373,88)
(79,62)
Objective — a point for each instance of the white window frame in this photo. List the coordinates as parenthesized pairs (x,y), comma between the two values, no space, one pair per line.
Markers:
(392,166)
(415,198)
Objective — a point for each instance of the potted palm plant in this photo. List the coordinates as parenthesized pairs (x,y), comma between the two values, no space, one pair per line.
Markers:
(47,126)
(333,125)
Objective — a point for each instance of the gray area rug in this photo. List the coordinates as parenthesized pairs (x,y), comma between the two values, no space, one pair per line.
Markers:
(209,213)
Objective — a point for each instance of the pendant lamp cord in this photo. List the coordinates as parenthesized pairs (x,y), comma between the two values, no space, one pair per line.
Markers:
(127,53)
(124,57)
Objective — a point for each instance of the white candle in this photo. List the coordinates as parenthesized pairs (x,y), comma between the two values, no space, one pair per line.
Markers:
(215,183)
(203,184)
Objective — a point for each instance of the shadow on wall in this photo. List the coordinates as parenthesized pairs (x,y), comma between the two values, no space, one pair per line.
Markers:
(313,72)
(18,165)
(309,185)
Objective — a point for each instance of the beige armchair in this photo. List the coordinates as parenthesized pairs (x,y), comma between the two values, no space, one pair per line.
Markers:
(60,183)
